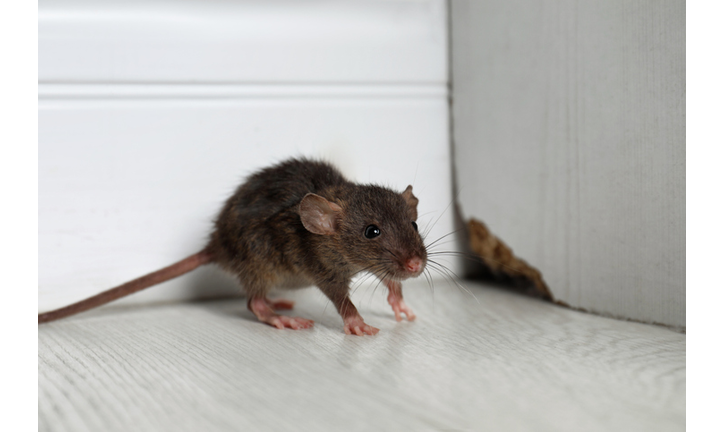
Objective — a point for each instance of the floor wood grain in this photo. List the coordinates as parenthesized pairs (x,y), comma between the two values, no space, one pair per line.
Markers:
(487,361)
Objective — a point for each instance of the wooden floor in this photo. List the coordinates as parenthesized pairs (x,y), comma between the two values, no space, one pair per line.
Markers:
(496,362)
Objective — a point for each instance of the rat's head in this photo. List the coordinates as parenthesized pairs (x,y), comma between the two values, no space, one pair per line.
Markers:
(374,227)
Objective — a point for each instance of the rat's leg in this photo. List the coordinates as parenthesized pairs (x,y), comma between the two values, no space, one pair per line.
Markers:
(353,322)
(280,304)
(395,300)
(256,284)
(260,306)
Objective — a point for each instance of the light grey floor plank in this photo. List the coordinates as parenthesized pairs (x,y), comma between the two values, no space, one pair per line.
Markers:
(502,362)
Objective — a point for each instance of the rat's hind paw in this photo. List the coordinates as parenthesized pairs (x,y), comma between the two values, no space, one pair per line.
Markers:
(399,307)
(262,308)
(356,326)
(295,323)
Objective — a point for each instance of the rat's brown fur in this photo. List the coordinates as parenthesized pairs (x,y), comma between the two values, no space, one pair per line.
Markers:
(261,238)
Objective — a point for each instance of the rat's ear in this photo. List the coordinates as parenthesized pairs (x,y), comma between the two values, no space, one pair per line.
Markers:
(411,201)
(318,215)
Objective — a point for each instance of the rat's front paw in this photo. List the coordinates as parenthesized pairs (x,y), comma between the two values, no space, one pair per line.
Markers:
(357,326)
(399,307)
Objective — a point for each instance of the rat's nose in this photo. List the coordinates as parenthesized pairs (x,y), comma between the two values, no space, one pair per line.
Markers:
(414,265)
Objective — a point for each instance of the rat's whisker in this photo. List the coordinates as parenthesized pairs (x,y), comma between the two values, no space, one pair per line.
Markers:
(476,258)
(428,276)
(446,272)
(372,272)
(429,227)
(377,285)
(444,236)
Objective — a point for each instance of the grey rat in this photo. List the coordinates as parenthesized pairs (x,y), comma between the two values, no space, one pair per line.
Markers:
(301,223)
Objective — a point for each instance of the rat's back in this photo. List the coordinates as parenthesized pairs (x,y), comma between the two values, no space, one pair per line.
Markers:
(260,220)
(282,186)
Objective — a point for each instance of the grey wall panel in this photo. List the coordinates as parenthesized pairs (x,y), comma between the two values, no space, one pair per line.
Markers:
(569,124)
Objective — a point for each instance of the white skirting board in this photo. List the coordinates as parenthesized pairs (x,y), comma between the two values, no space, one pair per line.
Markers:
(129,186)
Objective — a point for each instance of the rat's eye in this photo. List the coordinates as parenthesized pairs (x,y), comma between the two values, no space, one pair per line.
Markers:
(372,231)
(414,225)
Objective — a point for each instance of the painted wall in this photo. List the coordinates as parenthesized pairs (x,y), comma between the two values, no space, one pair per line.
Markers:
(152,112)
(569,131)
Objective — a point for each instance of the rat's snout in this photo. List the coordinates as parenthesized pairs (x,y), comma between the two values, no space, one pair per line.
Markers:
(414,265)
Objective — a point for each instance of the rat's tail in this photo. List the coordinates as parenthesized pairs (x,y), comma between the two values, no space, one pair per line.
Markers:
(166,273)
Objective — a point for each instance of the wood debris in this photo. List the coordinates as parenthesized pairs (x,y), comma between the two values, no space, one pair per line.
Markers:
(501,261)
